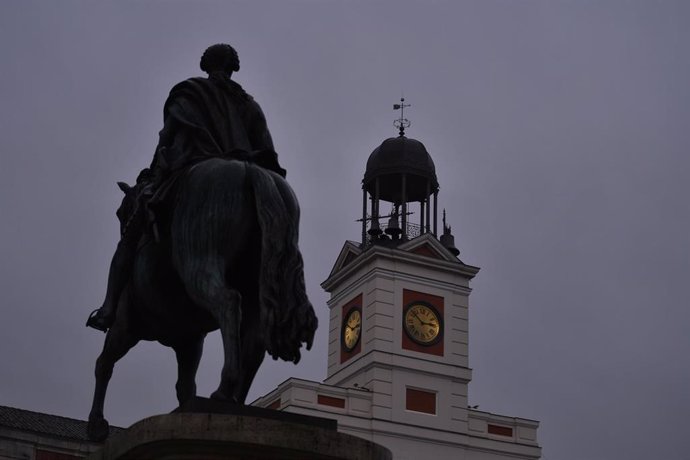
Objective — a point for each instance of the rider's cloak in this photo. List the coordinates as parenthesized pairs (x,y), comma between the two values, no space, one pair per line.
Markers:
(212,118)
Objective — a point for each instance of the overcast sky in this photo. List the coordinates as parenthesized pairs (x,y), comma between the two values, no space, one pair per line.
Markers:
(560,132)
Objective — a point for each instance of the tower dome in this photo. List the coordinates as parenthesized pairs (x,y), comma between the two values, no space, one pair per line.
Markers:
(397,157)
(400,171)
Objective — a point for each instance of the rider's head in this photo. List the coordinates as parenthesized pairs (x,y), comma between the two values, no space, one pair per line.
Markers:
(220,58)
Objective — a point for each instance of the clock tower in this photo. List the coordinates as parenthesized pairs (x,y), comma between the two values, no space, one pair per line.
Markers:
(398,370)
(399,297)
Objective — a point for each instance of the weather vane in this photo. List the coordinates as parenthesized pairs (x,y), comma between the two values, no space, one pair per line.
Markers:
(402,122)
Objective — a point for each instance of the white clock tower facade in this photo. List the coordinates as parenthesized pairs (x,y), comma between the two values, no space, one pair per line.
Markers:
(398,369)
(410,381)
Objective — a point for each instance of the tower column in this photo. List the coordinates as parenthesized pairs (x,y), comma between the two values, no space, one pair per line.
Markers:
(375,213)
(435,213)
(404,207)
(428,208)
(364,216)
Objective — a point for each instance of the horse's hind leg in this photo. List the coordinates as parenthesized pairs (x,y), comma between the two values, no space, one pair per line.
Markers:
(188,356)
(253,348)
(208,290)
(228,315)
(252,357)
(117,343)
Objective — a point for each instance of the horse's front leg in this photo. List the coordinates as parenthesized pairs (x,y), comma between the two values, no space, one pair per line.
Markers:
(117,343)
(188,357)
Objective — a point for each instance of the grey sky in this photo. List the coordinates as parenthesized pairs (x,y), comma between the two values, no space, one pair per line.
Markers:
(560,132)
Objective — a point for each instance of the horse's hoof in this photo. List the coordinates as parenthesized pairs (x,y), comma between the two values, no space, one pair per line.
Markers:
(98,429)
(220,396)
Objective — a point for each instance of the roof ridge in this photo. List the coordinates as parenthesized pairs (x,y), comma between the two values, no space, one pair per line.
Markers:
(42,413)
(46,424)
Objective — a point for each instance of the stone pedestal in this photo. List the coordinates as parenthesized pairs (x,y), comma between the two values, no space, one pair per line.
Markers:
(231,432)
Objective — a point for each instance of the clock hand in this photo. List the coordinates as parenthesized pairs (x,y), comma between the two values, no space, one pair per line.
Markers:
(352,328)
(421,321)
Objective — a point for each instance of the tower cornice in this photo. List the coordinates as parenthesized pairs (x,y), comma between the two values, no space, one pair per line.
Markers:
(449,264)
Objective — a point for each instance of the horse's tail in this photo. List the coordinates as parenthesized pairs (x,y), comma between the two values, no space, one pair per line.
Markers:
(287,317)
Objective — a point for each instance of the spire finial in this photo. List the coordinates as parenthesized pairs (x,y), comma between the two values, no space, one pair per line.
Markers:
(402,122)
(447,239)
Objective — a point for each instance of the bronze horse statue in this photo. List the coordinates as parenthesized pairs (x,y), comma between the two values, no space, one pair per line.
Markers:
(227,259)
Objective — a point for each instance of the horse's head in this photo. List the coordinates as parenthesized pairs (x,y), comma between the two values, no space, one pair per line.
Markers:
(126,209)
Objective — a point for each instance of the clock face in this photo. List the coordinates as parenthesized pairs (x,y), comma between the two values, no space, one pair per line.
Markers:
(422,323)
(352,328)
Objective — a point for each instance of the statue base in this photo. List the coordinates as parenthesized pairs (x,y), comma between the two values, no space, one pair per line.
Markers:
(204,429)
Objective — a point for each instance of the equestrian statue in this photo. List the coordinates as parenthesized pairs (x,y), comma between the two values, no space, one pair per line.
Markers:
(209,237)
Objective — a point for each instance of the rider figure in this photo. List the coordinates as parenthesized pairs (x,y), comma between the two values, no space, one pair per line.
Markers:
(202,118)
